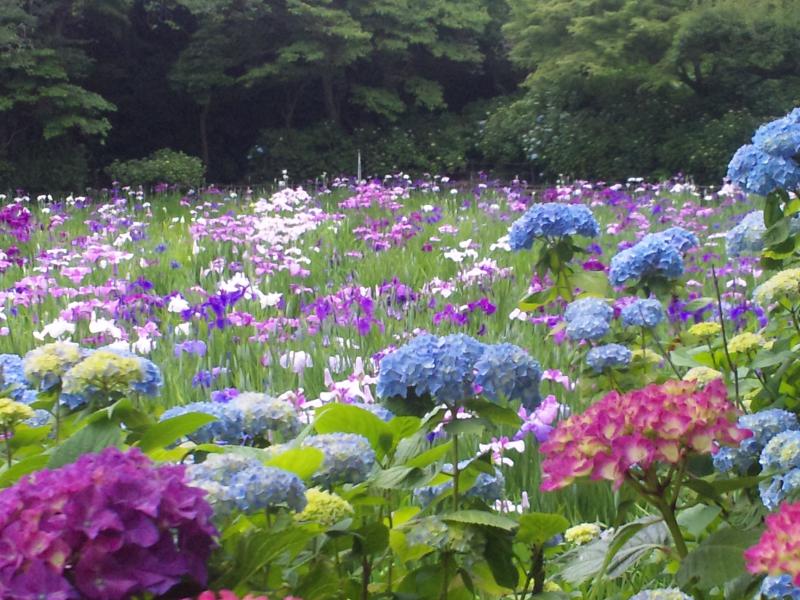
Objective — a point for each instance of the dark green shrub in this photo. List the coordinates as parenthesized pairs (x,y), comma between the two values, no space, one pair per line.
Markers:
(162,166)
(46,167)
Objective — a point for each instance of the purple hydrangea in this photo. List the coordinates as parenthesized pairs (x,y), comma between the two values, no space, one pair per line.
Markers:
(110,526)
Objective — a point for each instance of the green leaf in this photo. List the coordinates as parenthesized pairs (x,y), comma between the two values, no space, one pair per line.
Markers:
(346,418)
(537,528)
(166,432)
(499,554)
(430,456)
(372,538)
(494,413)
(480,517)
(773,211)
(397,477)
(23,467)
(94,437)
(303,462)
(696,519)
(777,233)
(536,300)
(718,559)
(593,283)
(474,425)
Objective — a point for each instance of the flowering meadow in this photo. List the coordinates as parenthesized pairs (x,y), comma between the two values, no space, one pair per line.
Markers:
(406,389)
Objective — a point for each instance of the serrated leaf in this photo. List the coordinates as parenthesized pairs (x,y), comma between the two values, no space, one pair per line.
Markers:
(537,528)
(494,413)
(346,418)
(94,437)
(430,456)
(303,462)
(164,433)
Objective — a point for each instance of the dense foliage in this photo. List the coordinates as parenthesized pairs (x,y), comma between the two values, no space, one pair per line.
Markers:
(609,89)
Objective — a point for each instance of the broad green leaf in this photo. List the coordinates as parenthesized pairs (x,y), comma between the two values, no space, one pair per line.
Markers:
(718,559)
(499,554)
(303,462)
(430,456)
(346,418)
(166,432)
(593,283)
(696,519)
(23,467)
(494,413)
(397,477)
(537,528)
(480,517)
(94,437)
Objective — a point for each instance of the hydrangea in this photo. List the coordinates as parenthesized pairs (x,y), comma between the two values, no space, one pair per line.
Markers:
(779,488)
(434,532)
(324,508)
(679,238)
(588,319)
(763,426)
(652,256)
(12,412)
(487,487)
(759,172)
(661,594)
(228,428)
(745,342)
(45,365)
(234,482)
(108,527)
(261,414)
(782,452)
(228,595)
(598,308)
(784,285)
(659,423)
(608,356)
(106,373)
(582,534)
(776,553)
(780,137)
(747,236)
(452,369)
(702,375)
(705,329)
(552,220)
(779,587)
(12,375)
(642,313)
(348,458)
(507,371)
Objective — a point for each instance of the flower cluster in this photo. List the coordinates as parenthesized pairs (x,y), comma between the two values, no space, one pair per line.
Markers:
(764,426)
(776,553)
(46,365)
(747,236)
(106,373)
(582,534)
(225,595)
(656,254)
(12,378)
(659,423)
(642,313)
(110,526)
(324,508)
(12,412)
(781,459)
(348,458)
(552,220)
(246,416)
(784,285)
(235,482)
(453,368)
(608,356)
(779,587)
(702,375)
(487,487)
(768,164)
(588,319)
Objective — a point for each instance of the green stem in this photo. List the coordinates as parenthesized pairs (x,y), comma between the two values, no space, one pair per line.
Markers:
(725,337)
(672,524)
(455,471)
(7,437)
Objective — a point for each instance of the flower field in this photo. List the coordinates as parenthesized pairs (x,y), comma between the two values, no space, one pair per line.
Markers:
(405,389)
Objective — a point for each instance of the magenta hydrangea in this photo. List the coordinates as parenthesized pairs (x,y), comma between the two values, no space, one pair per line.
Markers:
(109,526)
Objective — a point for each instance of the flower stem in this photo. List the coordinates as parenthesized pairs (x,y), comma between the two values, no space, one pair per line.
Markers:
(672,524)
(7,438)
(455,471)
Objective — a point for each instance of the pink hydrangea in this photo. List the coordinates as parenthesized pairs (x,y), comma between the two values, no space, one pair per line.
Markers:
(778,550)
(659,423)
(109,526)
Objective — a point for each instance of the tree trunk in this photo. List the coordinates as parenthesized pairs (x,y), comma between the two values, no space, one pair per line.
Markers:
(204,132)
(330,100)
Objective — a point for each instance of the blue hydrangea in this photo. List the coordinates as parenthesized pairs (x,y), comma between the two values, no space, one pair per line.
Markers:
(609,356)
(594,307)
(13,375)
(780,137)
(228,428)
(552,220)
(678,237)
(431,366)
(40,418)
(262,414)
(487,487)
(507,371)
(747,236)
(642,313)
(151,382)
(587,328)
(652,256)
(765,425)
(779,488)
(348,458)
(782,452)
(779,587)
(240,483)
(758,172)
